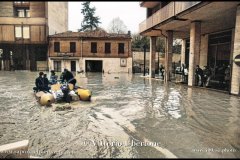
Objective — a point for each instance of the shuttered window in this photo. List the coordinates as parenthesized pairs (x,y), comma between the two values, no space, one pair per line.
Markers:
(107,47)
(72,47)
(94,47)
(121,48)
(56,46)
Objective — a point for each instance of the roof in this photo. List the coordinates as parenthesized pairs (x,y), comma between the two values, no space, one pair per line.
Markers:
(90,34)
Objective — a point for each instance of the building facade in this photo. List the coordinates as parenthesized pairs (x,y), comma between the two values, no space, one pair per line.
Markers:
(209,30)
(92,51)
(24,28)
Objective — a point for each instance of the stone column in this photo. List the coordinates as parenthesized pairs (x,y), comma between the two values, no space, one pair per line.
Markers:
(152,57)
(194,56)
(183,49)
(203,51)
(235,82)
(168,56)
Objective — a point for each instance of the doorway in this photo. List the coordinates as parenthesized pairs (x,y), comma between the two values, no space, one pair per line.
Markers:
(93,66)
(57,66)
(73,66)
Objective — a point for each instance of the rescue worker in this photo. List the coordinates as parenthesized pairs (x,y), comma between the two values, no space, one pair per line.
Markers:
(68,76)
(39,82)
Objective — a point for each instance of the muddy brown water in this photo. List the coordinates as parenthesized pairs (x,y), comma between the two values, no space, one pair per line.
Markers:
(129,117)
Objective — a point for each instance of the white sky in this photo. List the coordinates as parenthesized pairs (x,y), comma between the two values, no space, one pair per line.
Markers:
(129,12)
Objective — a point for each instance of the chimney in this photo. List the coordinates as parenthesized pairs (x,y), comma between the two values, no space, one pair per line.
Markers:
(129,33)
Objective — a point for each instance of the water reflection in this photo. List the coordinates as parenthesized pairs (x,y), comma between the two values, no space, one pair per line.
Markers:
(185,121)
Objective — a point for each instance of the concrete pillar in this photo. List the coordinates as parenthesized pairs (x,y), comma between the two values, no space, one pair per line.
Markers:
(194,56)
(183,49)
(152,57)
(235,82)
(168,56)
(203,51)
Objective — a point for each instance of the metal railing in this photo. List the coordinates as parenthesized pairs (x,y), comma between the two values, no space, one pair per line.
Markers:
(21,3)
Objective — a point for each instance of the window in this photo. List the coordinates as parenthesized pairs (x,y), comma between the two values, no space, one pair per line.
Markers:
(23,12)
(57,66)
(107,47)
(72,47)
(121,48)
(94,47)
(26,32)
(56,46)
(28,13)
(20,13)
(22,32)
(18,31)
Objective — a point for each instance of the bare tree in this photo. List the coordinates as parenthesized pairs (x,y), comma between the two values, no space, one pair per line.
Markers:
(117,26)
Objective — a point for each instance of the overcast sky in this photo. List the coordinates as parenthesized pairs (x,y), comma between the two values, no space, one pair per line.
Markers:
(129,12)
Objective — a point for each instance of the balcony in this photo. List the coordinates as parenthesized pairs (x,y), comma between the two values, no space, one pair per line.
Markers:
(165,13)
(21,3)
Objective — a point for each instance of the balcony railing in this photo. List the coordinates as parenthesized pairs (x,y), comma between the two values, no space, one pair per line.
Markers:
(21,3)
(165,13)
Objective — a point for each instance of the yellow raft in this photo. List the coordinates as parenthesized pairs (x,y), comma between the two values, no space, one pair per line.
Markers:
(84,94)
(45,99)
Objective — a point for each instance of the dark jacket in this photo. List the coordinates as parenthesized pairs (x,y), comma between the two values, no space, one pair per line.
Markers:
(39,82)
(199,71)
(68,76)
(46,82)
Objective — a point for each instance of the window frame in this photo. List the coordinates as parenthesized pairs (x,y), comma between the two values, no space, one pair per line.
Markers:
(72,48)
(93,47)
(121,49)
(107,48)
(23,32)
(56,47)
(16,31)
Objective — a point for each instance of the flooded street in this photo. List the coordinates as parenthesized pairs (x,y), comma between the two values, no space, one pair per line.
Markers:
(129,117)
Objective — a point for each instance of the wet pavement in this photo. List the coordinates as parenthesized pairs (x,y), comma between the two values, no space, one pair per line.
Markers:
(129,117)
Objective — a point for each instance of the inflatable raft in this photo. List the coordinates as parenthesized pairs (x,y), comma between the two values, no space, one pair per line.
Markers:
(63,92)
(45,99)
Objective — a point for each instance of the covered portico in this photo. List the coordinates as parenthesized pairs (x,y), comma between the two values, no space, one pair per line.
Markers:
(206,26)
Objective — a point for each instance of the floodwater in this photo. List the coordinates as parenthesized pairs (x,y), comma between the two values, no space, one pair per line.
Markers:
(129,117)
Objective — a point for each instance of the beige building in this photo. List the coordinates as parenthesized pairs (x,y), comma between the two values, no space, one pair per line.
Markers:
(24,28)
(91,51)
(209,30)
